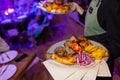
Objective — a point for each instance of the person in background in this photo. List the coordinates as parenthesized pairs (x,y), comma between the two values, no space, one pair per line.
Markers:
(3,45)
(39,20)
(102,22)
(22,6)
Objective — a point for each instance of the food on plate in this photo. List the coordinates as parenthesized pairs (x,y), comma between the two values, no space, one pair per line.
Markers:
(97,52)
(76,47)
(73,39)
(84,58)
(84,42)
(56,7)
(49,8)
(69,59)
(78,50)
(63,51)
(91,48)
(70,41)
(58,2)
(69,50)
(59,10)
(63,8)
(60,51)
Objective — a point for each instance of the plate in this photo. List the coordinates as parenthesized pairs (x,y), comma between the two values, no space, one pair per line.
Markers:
(53,47)
(8,56)
(72,8)
(10,70)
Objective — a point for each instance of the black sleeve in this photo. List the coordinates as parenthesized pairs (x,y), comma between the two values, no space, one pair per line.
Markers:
(85,5)
(82,17)
(109,20)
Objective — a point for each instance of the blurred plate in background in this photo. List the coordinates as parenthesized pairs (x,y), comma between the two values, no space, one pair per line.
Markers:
(8,56)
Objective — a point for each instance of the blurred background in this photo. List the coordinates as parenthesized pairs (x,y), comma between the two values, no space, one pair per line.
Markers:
(19,31)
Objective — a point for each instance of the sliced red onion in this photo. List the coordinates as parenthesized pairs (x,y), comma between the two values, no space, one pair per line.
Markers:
(84,59)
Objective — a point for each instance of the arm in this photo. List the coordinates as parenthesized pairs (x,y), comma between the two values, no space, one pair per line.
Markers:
(37,17)
(79,9)
(81,12)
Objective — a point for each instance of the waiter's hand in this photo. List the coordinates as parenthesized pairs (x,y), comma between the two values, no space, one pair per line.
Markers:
(78,8)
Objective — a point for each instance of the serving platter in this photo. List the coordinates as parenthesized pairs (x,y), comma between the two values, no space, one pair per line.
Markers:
(75,71)
(53,11)
(54,46)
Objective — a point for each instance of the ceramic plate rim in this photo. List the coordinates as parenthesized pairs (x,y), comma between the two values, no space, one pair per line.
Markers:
(42,8)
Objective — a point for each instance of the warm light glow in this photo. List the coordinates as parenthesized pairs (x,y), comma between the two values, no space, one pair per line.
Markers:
(9,10)
(6,12)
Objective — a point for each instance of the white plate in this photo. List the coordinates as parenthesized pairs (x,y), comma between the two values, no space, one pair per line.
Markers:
(72,8)
(10,70)
(53,47)
(8,56)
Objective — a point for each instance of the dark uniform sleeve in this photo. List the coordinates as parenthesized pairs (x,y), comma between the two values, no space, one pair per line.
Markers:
(82,17)
(84,5)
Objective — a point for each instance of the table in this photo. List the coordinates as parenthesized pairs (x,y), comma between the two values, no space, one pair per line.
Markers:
(37,72)
(22,65)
